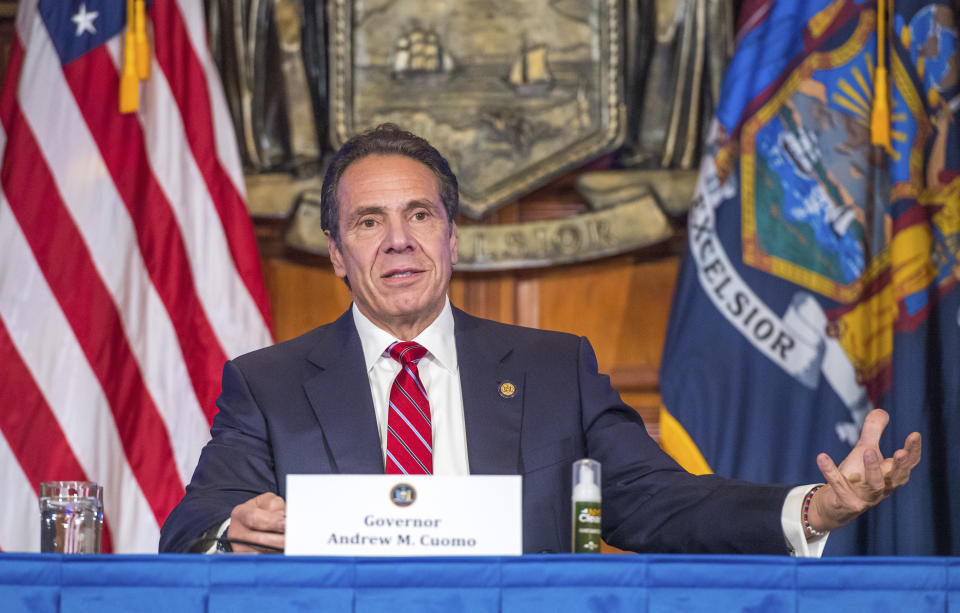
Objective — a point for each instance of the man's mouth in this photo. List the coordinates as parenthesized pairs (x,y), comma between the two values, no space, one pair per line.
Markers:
(400,274)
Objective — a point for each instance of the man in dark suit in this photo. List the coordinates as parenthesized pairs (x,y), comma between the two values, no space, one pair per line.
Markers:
(496,399)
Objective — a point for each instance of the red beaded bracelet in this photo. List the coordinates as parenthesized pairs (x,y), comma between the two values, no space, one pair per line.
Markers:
(806,506)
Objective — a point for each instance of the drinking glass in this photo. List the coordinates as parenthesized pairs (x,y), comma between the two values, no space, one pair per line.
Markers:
(71,516)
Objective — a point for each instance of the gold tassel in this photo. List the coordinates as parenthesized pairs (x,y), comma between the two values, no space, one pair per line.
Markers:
(143,45)
(129,81)
(880,115)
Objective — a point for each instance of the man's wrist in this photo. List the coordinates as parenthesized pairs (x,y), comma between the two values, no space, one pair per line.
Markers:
(791,519)
(223,543)
(808,530)
(213,540)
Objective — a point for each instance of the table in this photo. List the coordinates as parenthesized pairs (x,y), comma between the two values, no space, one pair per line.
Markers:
(554,583)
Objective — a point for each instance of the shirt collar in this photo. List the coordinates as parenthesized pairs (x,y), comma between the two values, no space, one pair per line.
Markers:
(438,338)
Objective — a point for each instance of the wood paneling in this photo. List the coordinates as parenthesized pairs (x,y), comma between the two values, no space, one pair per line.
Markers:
(302,296)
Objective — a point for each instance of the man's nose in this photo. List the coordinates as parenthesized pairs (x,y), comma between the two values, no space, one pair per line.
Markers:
(398,236)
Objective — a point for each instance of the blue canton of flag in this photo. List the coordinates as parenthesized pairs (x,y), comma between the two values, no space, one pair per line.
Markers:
(76,27)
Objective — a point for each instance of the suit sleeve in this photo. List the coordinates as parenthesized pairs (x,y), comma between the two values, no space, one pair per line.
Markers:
(650,504)
(235,465)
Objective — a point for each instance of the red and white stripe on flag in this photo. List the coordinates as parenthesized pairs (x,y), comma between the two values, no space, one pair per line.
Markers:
(128,266)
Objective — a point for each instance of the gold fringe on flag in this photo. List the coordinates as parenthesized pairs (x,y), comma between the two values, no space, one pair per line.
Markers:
(129,81)
(143,46)
(136,56)
(880,115)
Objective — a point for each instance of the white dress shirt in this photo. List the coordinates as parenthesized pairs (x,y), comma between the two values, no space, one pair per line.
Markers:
(440,376)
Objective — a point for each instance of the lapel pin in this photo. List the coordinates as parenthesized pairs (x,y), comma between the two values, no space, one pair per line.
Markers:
(508,389)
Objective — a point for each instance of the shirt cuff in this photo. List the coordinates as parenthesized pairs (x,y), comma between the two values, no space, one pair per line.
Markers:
(222,531)
(792,524)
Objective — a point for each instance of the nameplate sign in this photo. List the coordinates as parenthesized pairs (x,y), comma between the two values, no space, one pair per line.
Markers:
(404,515)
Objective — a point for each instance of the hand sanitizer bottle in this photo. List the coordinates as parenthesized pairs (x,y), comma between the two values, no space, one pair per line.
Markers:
(586,506)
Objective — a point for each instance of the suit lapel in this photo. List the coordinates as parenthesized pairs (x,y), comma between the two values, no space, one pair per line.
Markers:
(492,419)
(340,397)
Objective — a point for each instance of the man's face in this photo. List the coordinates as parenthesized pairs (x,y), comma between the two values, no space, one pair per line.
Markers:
(397,247)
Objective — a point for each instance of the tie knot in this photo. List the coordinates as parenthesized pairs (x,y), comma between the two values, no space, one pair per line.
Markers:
(407,352)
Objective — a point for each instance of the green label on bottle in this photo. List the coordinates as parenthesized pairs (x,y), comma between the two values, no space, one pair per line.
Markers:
(586,527)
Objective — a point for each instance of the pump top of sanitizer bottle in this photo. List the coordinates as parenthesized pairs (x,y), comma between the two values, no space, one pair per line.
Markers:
(586,480)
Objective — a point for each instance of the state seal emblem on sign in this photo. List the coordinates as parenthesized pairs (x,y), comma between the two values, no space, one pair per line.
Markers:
(403,495)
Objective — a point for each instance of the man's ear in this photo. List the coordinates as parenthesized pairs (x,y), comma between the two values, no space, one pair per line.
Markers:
(336,258)
(454,243)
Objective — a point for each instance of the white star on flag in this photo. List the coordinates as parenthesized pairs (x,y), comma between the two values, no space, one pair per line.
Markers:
(84,20)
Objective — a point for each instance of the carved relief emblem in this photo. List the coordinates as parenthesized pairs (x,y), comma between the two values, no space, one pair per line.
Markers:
(512,93)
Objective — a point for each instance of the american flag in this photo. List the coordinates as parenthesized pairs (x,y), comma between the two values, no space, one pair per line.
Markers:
(128,266)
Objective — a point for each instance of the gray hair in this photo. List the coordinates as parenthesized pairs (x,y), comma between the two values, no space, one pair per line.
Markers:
(385,139)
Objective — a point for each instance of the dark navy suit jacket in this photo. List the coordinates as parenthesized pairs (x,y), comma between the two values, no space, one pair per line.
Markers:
(304,406)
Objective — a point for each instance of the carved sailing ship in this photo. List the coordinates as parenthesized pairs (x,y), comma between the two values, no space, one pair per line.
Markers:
(530,74)
(420,53)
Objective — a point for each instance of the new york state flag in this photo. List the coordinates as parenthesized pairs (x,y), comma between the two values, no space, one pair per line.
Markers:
(822,273)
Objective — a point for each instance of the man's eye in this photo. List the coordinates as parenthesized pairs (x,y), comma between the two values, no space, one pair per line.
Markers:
(420,215)
(367,223)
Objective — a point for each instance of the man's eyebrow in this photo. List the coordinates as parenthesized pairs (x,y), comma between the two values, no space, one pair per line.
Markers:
(366,210)
(421,203)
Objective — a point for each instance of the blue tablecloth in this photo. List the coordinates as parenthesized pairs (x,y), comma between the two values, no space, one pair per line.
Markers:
(644,583)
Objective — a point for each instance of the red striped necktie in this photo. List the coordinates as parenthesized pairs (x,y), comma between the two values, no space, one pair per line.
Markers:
(409,433)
